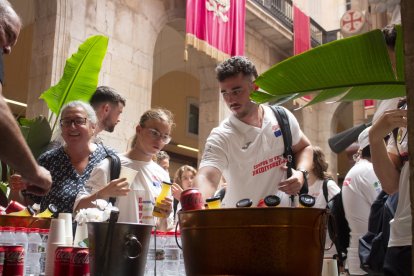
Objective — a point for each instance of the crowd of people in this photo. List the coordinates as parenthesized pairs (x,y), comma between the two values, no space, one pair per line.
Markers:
(246,149)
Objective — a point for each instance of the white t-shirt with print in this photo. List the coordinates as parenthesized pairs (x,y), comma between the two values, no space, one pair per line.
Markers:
(316,190)
(400,226)
(359,190)
(145,187)
(249,158)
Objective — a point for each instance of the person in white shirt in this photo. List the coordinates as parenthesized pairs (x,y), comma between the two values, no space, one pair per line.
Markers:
(317,176)
(359,190)
(247,148)
(152,134)
(392,167)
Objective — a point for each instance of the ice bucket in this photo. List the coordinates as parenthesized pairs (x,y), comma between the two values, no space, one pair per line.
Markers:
(127,248)
(253,241)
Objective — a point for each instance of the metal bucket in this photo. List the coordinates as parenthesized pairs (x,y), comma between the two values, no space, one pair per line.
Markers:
(253,241)
(127,245)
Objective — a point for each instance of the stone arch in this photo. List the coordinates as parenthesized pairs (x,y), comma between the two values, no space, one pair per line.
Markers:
(197,70)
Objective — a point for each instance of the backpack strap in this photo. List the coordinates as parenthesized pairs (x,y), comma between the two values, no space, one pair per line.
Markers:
(115,168)
(283,120)
(325,189)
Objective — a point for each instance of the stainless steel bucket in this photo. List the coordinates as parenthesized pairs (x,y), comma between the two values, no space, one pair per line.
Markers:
(253,241)
(127,245)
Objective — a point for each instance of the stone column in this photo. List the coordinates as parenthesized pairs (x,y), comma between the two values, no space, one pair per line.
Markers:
(48,31)
(212,107)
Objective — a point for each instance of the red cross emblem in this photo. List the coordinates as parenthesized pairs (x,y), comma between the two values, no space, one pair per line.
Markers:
(352,22)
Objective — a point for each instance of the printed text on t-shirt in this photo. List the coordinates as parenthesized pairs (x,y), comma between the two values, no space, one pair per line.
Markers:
(268,164)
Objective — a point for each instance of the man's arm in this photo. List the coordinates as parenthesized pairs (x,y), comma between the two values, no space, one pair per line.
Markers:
(15,152)
(303,154)
(207,180)
(304,158)
(386,165)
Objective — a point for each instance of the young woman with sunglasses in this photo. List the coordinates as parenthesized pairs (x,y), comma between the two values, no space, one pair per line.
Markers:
(152,134)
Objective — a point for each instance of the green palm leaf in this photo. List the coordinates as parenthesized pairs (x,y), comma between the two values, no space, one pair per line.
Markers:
(37,133)
(358,66)
(80,76)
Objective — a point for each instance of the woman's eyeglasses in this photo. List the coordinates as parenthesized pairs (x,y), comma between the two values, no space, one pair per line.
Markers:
(77,121)
(155,134)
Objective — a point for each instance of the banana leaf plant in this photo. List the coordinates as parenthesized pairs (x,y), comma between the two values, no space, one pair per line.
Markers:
(350,69)
(79,82)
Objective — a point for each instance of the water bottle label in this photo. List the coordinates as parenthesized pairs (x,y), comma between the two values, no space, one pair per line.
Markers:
(160,254)
(33,248)
(172,254)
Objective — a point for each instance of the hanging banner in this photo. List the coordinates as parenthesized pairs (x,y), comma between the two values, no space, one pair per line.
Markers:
(216,27)
(301,38)
(301,31)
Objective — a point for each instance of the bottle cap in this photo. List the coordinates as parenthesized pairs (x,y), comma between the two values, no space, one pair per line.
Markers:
(246,202)
(214,198)
(306,200)
(272,200)
(31,210)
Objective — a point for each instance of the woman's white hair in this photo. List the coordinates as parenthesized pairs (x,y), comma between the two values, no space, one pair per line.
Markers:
(90,112)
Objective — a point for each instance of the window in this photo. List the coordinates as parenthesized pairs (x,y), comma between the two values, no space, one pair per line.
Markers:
(192,116)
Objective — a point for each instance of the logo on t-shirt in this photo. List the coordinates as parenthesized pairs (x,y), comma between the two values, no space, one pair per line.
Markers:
(276,130)
(347,181)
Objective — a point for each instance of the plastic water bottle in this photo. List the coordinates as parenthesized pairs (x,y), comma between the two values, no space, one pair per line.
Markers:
(150,265)
(181,268)
(20,235)
(44,235)
(7,236)
(156,254)
(33,254)
(172,255)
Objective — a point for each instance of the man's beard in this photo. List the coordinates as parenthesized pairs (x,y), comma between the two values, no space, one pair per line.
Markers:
(108,126)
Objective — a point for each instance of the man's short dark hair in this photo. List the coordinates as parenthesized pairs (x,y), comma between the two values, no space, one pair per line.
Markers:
(104,94)
(366,152)
(234,66)
(390,35)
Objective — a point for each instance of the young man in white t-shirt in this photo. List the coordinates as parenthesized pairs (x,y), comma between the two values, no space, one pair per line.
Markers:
(392,168)
(247,148)
(359,190)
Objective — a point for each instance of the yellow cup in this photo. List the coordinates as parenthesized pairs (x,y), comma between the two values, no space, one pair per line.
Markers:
(213,202)
(166,188)
(26,212)
(48,213)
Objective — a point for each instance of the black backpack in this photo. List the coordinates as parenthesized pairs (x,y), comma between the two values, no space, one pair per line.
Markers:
(338,227)
(283,121)
(115,168)
(373,245)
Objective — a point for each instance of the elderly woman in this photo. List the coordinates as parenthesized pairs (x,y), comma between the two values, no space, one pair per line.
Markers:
(71,164)
(135,200)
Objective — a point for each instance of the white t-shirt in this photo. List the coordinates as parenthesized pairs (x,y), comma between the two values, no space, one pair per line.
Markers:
(145,187)
(316,190)
(249,158)
(400,226)
(359,190)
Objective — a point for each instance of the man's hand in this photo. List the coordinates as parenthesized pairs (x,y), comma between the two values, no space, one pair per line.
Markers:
(386,123)
(293,184)
(38,184)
